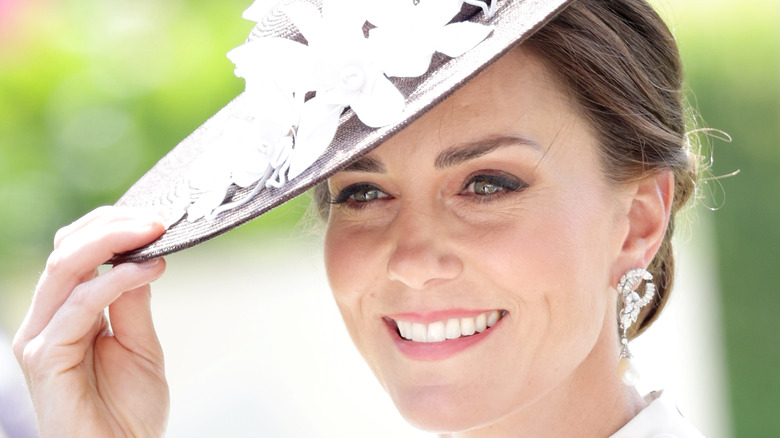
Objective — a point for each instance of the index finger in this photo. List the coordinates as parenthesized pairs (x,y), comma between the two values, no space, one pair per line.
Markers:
(102,213)
(76,260)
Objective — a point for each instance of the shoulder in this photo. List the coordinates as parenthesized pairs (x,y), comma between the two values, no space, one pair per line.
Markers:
(658,420)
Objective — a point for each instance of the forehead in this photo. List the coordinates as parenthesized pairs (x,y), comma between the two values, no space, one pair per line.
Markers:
(516,96)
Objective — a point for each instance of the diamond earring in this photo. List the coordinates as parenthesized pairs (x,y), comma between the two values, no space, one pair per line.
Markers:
(631,304)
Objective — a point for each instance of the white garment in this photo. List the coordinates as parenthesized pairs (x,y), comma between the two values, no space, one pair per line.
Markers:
(658,420)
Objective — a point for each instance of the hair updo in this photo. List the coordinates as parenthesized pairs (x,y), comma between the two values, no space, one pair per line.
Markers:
(620,63)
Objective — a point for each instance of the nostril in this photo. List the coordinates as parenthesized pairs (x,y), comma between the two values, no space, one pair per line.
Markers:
(417,267)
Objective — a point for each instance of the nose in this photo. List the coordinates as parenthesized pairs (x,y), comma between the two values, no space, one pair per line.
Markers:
(422,252)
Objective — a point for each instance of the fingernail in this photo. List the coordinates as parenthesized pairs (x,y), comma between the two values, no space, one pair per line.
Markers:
(164,216)
(149,263)
(153,222)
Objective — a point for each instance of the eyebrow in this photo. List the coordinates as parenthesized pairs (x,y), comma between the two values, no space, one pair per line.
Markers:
(461,153)
(452,156)
(366,164)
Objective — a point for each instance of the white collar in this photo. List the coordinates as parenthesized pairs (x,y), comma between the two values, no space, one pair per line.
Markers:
(658,420)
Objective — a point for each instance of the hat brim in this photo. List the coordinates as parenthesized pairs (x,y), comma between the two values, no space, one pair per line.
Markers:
(165,185)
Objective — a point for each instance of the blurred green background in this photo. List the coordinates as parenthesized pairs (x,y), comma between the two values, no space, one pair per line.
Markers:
(92,93)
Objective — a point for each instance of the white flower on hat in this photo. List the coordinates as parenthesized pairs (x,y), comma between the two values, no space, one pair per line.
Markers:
(253,154)
(252,151)
(343,71)
(408,34)
(346,66)
(301,90)
(338,64)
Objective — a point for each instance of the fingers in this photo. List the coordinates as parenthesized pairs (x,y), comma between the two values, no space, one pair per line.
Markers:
(78,255)
(92,242)
(64,341)
(103,214)
(81,248)
(131,322)
(59,345)
(75,316)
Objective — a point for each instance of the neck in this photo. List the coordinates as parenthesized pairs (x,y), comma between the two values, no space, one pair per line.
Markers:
(592,402)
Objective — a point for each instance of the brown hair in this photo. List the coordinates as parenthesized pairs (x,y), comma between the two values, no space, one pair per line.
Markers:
(620,62)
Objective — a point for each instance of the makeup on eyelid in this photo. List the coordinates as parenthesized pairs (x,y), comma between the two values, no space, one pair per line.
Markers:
(482,186)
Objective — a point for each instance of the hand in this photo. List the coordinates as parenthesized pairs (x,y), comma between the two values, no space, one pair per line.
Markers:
(85,380)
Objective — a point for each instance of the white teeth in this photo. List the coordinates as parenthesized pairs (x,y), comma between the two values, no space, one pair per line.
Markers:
(453,328)
(436,332)
(468,326)
(419,332)
(492,318)
(405,328)
(450,329)
(481,323)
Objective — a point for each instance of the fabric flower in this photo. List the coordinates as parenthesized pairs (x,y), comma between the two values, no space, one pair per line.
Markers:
(343,71)
(407,34)
(296,93)
(249,153)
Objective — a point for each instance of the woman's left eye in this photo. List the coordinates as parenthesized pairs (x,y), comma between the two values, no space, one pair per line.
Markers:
(492,185)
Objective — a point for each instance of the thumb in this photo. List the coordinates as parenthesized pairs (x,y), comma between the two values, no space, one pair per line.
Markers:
(132,325)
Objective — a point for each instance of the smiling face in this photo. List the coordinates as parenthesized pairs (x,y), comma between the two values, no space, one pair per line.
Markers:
(471,255)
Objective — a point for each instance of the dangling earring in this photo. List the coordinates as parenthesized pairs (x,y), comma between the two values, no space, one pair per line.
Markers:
(631,304)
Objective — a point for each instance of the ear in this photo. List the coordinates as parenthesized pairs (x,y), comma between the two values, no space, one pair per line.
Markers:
(648,218)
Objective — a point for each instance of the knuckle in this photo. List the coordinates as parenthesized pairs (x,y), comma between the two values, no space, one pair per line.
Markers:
(18,346)
(86,300)
(58,236)
(31,354)
(63,265)
(55,262)
(79,297)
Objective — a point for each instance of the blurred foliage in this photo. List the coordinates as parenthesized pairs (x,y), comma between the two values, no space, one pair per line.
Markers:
(92,93)
(731,51)
(732,55)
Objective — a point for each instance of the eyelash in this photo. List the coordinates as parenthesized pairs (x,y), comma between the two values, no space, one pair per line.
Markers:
(346,197)
(504,186)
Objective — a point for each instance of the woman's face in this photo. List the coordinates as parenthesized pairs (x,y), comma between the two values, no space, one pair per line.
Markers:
(471,255)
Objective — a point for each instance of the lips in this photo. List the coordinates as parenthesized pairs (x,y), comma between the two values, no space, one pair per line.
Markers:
(447,329)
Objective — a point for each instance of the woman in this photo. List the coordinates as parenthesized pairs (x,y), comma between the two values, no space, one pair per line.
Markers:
(474,255)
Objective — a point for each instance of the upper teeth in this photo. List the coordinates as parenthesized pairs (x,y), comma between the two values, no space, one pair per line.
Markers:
(448,329)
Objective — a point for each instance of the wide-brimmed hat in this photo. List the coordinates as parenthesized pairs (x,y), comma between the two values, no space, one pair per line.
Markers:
(326,82)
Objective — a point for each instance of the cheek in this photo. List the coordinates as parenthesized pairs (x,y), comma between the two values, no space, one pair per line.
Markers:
(578,270)
(349,258)
(350,262)
(553,263)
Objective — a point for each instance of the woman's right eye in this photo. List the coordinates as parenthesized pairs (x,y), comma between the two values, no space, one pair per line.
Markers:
(358,195)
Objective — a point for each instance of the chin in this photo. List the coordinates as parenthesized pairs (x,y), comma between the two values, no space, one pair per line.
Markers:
(439,410)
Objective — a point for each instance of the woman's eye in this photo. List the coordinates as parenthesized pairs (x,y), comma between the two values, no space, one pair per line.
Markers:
(486,187)
(358,194)
(492,185)
(366,194)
